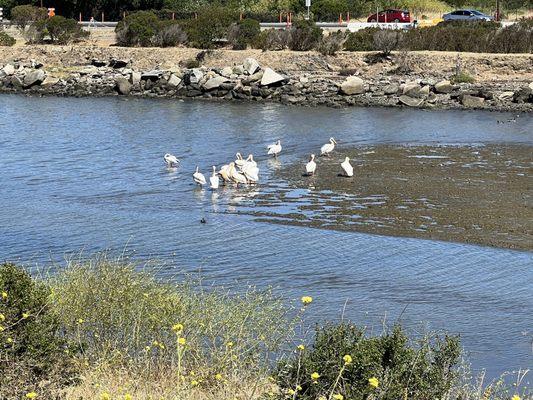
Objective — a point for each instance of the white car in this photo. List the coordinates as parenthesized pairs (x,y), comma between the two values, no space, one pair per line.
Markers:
(466,15)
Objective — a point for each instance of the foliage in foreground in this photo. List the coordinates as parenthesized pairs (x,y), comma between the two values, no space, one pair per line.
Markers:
(6,40)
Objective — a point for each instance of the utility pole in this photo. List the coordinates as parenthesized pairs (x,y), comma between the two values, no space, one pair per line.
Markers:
(308,5)
(497,10)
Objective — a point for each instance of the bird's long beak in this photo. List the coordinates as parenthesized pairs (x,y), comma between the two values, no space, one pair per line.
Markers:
(334,141)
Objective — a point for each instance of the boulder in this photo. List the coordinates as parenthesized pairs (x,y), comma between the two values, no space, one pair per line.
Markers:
(391,88)
(153,75)
(443,87)
(98,63)
(531,85)
(34,78)
(17,82)
(353,85)
(88,70)
(304,80)
(424,91)
(472,101)
(253,78)
(410,101)
(226,71)
(251,65)
(270,77)
(238,69)
(123,86)
(214,83)
(195,75)
(506,96)
(173,81)
(135,77)
(50,81)
(411,89)
(9,69)
(114,63)
(523,95)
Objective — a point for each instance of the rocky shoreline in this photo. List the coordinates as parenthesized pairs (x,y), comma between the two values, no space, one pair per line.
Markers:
(250,81)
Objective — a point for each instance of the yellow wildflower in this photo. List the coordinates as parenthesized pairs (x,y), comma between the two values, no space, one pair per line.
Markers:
(148,348)
(155,343)
(194,382)
(2,317)
(307,300)
(515,397)
(301,347)
(128,396)
(80,321)
(322,398)
(4,295)
(298,388)
(229,344)
(218,377)
(161,346)
(9,340)
(338,396)
(373,382)
(105,396)
(347,359)
(291,392)
(25,315)
(178,328)
(182,341)
(2,328)
(31,395)
(315,376)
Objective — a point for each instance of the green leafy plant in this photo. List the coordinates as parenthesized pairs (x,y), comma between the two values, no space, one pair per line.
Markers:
(6,40)
(211,27)
(24,15)
(244,33)
(361,40)
(273,39)
(332,43)
(304,35)
(137,29)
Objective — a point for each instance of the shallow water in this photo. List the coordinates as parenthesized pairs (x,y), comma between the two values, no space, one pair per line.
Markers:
(87,174)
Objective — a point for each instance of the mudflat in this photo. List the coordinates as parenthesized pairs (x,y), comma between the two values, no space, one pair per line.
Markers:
(473,194)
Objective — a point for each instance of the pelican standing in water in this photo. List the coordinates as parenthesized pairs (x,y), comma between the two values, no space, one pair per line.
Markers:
(251,172)
(214,179)
(171,160)
(236,176)
(310,167)
(347,167)
(239,161)
(223,172)
(274,149)
(328,147)
(198,177)
(250,160)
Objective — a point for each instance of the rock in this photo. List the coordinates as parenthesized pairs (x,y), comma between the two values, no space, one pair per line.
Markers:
(98,63)
(9,69)
(250,65)
(531,86)
(270,77)
(432,98)
(411,89)
(17,82)
(424,91)
(214,83)
(472,101)
(506,96)
(443,87)
(253,78)
(238,69)
(353,85)
(114,63)
(153,75)
(523,95)
(34,78)
(50,81)
(195,75)
(391,88)
(89,70)
(173,81)
(226,71)
(304,80)
(410,101)
(135,77)
(123,86)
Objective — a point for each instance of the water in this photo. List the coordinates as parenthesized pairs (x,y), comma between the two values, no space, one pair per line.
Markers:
(87,174)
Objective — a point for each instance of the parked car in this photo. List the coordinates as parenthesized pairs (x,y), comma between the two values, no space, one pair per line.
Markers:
(466,15)
(390,16)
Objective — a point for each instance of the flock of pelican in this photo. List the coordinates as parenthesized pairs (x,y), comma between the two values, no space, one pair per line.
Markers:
(245,171)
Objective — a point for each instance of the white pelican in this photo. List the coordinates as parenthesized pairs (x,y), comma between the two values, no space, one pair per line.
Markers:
(328,147)
(347,167)
(239,161)
(251,172)
(250,160)
(223,172)
(236,176)
(274,149)
(198,177)
(310,167)
(214,179)
(171,160)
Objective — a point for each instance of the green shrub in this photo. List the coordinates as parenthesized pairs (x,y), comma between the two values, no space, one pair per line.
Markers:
(33,352)
(304,35)
(516,38)
(211,26)
(137,29)
(64,30)
(244,33)
(273,39)
(170,34)
(401,370)
(6,40)
(361,40)
(386,40)
(462,77)
(332,43)
(23,16)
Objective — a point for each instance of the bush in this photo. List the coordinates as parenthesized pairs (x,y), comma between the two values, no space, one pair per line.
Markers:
(386,40)
(63,30)
(211,26)
(304,35)
(244,33)
(33,352)
(361,40)
(137,29)
(462,77)
(516,38)
(385,367)
(332,43)
(6,40)
(273,39)
(23,16)
(170,34)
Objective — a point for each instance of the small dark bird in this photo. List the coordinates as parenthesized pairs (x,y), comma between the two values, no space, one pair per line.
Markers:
(203,221)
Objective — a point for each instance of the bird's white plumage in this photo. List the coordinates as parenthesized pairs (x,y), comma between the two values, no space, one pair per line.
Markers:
(213,180)
(328,147)
(274,149)
(171,160)
(236,176)
(250,160)
(347,167)
(310,167)
(198,177)
(251,173)
(239,161)
(223,172)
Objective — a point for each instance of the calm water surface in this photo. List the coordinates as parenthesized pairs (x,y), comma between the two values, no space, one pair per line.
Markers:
(88,174)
